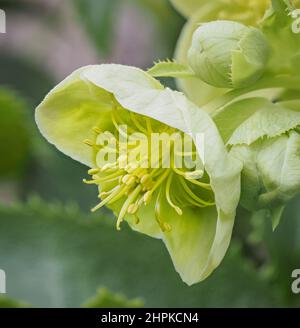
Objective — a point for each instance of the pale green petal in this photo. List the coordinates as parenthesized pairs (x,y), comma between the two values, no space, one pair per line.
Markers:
(198,239)
(68,113)
(191,240)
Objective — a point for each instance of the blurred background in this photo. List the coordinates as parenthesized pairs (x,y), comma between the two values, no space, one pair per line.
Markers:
(54,252)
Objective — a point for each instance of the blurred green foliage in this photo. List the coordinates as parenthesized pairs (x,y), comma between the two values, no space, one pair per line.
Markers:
(6,302)
(106,299)
(284,253)
(59,257)
(169,22)
(98,17)
(103,299)
(14,135)
(22,75)
(53,176)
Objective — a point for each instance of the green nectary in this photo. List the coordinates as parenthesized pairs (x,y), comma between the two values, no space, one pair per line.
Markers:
(228,54)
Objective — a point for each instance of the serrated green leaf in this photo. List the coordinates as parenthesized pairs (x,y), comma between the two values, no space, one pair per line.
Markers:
(106,299)
(247,120)
(55,256)
(170,69)
(268,120)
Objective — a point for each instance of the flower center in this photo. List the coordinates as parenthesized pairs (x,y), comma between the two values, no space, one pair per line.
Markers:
(136,166)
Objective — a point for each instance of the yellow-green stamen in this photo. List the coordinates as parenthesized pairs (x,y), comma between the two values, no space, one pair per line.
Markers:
(137,183)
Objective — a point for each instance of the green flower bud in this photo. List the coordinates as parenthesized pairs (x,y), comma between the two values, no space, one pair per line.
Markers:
(227,54)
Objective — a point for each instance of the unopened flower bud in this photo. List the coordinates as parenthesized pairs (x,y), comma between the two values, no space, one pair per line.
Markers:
(227,54)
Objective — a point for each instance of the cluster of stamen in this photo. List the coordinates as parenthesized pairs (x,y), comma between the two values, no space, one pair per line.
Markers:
(138,184)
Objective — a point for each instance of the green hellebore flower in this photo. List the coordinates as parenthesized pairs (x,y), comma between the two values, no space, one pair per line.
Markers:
(203,11)
(193,216)
(227,54)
